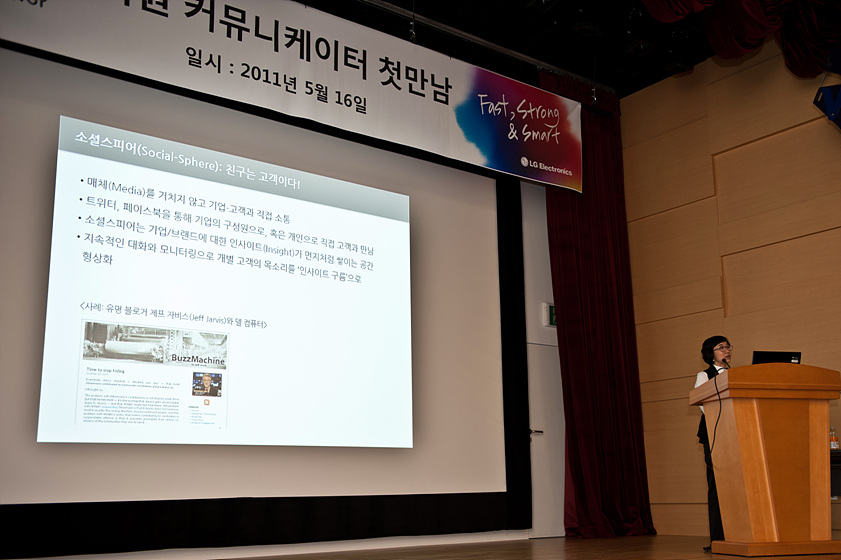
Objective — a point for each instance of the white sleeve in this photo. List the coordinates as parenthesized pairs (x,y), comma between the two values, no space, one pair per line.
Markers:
(700,379)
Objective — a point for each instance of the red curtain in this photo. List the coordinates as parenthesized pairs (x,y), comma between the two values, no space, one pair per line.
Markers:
(606,483)
(806,30)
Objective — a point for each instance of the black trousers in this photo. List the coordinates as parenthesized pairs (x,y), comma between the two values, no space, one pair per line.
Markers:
(716,528)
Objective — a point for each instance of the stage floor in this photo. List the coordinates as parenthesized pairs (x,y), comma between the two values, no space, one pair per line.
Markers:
(665,547)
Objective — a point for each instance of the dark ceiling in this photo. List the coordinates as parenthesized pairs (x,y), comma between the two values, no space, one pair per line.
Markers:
(617,44)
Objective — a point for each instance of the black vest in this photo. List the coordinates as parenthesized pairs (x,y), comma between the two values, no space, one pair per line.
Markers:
(703,438)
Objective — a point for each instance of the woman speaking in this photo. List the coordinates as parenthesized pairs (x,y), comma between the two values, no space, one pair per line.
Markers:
(716,353)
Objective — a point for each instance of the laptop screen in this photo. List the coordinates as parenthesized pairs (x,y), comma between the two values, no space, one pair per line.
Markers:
(775,357)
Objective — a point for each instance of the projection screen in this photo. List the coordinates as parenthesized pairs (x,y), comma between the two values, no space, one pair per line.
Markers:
(447,437)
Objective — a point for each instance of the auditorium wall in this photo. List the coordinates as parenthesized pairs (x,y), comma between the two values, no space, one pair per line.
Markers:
(733,192)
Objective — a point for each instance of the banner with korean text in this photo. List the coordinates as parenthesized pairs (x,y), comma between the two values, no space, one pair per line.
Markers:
(289,58)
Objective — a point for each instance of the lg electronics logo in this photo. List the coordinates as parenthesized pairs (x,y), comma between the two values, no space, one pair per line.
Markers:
(524,161)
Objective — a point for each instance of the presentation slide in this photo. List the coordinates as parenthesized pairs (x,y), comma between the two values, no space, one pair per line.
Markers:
(197,297)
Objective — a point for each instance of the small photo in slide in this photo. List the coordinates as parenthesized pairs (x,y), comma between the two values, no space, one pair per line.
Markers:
(207,384)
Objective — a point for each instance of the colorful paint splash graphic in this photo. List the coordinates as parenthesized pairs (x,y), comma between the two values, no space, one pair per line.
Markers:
(523,130)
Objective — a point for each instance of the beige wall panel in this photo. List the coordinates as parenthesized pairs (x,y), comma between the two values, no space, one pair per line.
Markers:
(803,218)
(681,519)
(675,263)
(801,272)
(778,171)
(757,102)
(668,171)
(780,187)
(669,389)
(718,68)
(682,99)
(675,464)
(813,329)
(777,287)
(665,106)
(671,415)
(675,248)
(672,347)
(704,295)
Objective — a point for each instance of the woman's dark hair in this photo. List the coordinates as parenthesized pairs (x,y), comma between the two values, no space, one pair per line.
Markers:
(709,344)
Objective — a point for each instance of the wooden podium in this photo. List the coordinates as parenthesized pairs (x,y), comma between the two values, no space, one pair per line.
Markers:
(771,457)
